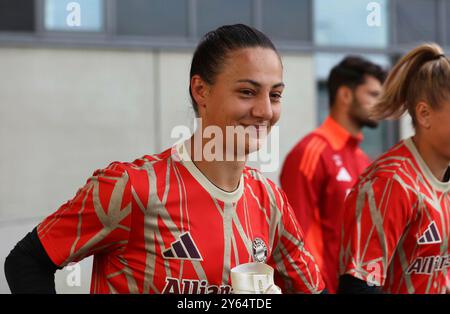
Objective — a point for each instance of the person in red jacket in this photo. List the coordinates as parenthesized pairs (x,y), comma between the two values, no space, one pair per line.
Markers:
(321,169)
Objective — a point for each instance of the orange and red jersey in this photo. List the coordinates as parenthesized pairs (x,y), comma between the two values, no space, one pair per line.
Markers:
(397,225)
(317,175)
(157,225)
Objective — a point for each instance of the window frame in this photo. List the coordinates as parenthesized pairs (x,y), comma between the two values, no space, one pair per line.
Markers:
(442,24)
(108,38)
(20,34)
(146,38)
(286,42)
(394,9)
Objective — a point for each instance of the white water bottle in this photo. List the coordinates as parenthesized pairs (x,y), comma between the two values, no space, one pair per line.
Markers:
(253,278)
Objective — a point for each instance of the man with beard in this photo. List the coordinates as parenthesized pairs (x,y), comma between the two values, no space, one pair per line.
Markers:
(320,170)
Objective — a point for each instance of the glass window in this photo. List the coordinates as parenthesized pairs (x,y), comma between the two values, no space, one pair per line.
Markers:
(152,18)
(351,23)
(214,13)
(17,15)
(287,19)
(376,141)
(69,15)
(416,21)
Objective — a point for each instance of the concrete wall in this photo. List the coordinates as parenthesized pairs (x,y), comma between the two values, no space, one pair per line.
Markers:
(65,113)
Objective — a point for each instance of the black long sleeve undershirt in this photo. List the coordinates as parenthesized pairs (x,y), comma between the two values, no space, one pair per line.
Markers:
(351,285)
(28,268)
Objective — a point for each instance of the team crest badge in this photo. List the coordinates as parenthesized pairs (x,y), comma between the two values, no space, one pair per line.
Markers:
(259,250)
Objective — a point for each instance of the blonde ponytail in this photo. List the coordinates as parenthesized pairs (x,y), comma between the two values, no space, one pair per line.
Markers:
(421,75)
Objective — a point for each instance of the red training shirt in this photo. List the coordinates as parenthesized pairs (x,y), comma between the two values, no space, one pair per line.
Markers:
(317,175)
(397,225)
(157,225)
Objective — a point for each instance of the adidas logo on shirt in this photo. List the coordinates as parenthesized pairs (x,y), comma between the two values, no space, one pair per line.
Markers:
(430,236)
(184,248)
(343,175)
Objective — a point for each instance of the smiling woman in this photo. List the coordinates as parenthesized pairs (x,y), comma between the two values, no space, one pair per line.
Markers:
(169,223)
(244,94)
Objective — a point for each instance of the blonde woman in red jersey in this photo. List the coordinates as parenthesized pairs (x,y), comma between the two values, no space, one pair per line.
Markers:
(172,223)
(397,217)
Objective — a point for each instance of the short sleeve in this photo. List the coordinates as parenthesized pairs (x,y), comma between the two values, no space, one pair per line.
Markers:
(95,221)
(377,212)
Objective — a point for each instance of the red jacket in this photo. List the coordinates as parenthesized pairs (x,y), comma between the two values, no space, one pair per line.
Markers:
(316,176)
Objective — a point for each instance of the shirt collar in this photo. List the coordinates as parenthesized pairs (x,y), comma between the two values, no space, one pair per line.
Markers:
(439,185)
(336,135)
(180,153)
